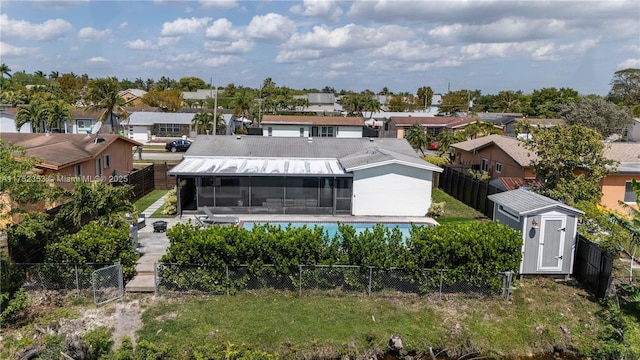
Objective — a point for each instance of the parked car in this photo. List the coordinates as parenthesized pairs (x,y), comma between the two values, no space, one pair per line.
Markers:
(177,145)
(433,145)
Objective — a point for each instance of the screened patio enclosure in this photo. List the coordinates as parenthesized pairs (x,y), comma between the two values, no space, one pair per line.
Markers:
(273,194)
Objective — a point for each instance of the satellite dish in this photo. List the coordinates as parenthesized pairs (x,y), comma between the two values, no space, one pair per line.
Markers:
(96,127)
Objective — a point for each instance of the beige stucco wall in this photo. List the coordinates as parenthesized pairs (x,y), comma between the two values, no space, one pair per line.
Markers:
(613,187)
(510,168)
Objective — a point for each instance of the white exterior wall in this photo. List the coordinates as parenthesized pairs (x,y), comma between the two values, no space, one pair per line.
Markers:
(138,132)
(392,190)
(294,131)
(8,125)
(349,132)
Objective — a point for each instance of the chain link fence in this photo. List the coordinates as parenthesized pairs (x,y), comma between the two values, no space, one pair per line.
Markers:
(108,284)
(327,279)
(51,276)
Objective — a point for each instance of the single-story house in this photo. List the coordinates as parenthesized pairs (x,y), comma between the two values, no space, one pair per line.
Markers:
(320,103)
(549,230)
(505,156)
(312,126)
(132,97)
(509,124)
(294,175)
(102,157)
(144,126)
(433,125)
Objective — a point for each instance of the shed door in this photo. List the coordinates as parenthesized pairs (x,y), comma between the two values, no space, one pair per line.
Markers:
(551,248)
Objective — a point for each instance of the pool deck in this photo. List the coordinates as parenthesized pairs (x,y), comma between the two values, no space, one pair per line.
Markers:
(423,220)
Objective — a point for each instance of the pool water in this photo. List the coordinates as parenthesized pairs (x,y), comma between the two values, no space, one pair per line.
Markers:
(331,228)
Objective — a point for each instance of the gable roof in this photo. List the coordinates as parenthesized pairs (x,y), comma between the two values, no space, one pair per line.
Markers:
(525,202)
(134,92)
(627,154)
(312,120)
(61,150)
(510,145)
(432,121)
(301,156)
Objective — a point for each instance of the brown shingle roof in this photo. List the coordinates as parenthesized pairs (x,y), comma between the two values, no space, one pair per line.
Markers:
(313,120)
(61,150)
(623,152)
(511,146)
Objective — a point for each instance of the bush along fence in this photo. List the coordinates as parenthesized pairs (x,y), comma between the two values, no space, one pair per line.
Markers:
(474,257)
(197,279)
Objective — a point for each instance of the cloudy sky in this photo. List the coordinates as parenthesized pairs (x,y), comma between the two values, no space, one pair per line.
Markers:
(352,45)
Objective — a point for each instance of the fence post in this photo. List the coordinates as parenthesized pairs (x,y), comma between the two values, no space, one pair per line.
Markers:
(77,281)
(508,278)
(441,281)
(300,280)
(155,279)
(370,278)
(226,274)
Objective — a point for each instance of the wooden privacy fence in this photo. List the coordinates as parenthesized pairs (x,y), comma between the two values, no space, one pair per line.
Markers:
(142,181)
(456,182)
(593,266)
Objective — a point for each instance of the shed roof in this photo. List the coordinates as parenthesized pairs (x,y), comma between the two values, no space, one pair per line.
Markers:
(525,202)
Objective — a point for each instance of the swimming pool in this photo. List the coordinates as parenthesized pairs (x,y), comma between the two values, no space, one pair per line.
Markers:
(331,228)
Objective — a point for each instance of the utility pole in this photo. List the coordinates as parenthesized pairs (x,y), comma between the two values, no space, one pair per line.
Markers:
(215,105)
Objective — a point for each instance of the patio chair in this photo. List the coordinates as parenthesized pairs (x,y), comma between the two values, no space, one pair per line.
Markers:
(210,219)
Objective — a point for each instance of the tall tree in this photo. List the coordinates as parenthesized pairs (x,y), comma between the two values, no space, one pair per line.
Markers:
(242,102)
(625,87)
(569,162)
(458,101)
(56,113)
(508,101)
(546,102)
(103,96)
(596,113)
(191,84)
(425,96)
(168,100)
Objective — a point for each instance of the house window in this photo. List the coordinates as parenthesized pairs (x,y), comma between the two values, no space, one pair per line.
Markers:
(301,132)
(270,131)
(498,167)
(107,161)
(434,132)
(99,168)
(629,195)
(326,131)
(77,170)
(171,129)
(485,165)
(84,126)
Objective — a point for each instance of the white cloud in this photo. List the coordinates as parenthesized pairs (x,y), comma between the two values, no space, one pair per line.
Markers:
(270,26)
(222,29)
(443,63)
(326,9)
(503,30)
(98,59)
(123,25)
(220,60)
(20,29)
(241,46)
(184,26)
(290,56)
(349,37)
(8,50)
(340,65)
(480,51)
(141,45)
(632,48)
(628,64)
(412,51)
(91,34)
(551,52)
(168,41)
(219,4)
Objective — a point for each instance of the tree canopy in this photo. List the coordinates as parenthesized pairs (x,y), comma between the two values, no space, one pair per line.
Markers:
(569,161)
(598,114)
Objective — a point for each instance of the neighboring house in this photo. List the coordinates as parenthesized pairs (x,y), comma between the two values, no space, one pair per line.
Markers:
(509,124)
(433,125)
(280,175)
(65,156)
(506,157)
(312,126)
(617,186)
(199,97)
(132,97)
(82,123)
(633,133)
(8,123)
(144,126)
(320,103)
(500,156)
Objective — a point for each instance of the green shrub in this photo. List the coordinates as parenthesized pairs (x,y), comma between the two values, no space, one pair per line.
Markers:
(437,160)
(436,209)
(99,342)
(171,203)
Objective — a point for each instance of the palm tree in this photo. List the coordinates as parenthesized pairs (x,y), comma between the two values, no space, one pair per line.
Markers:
(5,70)
(56,112)
(445,140)
(34,112)
(103,96)
(242,102)
(202,122)
(418,138)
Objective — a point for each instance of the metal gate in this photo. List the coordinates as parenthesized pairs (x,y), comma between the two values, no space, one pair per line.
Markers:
(107,283)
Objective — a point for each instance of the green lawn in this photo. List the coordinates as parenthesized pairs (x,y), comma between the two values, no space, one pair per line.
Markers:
(455,211)
(144,202)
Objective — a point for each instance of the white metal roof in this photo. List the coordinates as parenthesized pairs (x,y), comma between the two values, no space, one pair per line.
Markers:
(257,166)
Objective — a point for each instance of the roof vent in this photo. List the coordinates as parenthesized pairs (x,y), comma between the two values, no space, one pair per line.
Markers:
(238,137)
(370,139)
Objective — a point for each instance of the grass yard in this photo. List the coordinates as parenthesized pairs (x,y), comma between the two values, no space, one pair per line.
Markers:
(144,202)
(455,211)
(538,317)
